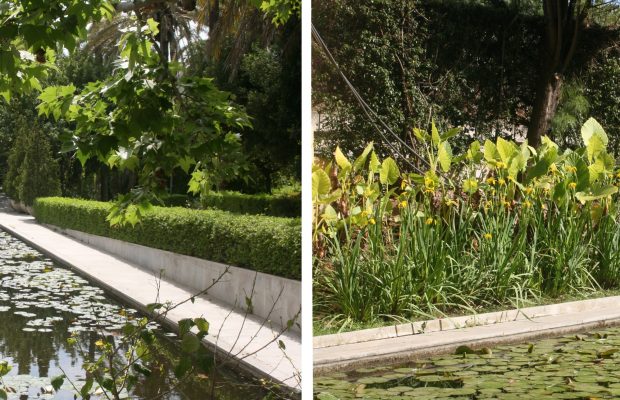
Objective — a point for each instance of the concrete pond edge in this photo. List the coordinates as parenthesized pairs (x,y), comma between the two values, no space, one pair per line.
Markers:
(404,342)
(273,297)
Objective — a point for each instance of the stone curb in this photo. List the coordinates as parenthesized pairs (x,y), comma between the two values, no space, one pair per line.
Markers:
(450,323)
(388,348)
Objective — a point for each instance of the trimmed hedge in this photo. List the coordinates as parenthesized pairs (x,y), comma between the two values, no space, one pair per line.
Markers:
(275,205)
(178,200)
(266,244)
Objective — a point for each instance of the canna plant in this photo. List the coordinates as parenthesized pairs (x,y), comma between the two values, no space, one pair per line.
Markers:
(500,223)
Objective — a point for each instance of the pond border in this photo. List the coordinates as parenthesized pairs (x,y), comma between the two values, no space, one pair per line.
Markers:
(273,297)
(401,343)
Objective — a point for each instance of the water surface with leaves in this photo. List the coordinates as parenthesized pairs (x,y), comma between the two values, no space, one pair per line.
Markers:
(583,366)
(43,305)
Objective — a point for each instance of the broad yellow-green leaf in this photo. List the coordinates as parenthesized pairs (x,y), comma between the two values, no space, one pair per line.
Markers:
(153,26)
(330,214)
(591,128)
(420,134)
(583,175)
(450,133)
(597,192)
(341,160)
(435,134)
(361,160)
(389,173)
(506,150)
(328,167)
(542,166)
(374,163)
(525,150)
(596,146)
(490,151)
(548,143)
(444,155)
(474,153)
(321,185)
(516,165)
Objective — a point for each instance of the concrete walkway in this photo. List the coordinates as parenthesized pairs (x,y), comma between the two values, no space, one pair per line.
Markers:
(402,343)
(252,343)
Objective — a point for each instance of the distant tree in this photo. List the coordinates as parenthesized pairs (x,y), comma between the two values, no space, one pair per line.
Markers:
(564,23)
(32,171)
(39,170)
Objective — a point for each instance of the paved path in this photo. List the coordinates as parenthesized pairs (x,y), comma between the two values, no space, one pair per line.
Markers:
(253,344)
(568,318)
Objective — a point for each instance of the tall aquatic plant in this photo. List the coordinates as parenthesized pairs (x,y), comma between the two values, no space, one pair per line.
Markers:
(500,223)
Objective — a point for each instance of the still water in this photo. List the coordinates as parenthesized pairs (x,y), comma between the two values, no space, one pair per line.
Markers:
(42,305)
(580,367)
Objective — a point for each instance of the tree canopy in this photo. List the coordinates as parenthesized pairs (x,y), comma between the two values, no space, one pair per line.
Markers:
(472,64)
(147,114)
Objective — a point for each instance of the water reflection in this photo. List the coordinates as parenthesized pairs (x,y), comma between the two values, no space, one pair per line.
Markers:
(42,305)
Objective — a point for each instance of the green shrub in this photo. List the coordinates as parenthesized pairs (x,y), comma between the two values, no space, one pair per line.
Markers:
(278,206)
(32,171)
(12,177)
(178,200)
(266,244)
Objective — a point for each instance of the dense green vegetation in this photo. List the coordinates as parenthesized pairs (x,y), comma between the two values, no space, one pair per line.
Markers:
(31,170)
(474,64)
(265,244)
(132,109)
(275,205)
(514,204)
(498,224)
(278,205)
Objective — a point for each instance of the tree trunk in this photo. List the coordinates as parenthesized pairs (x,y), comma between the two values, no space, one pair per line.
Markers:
(545,106)
(563,22)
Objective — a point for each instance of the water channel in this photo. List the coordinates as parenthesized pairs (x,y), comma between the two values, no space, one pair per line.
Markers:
(583,366)
(42,305)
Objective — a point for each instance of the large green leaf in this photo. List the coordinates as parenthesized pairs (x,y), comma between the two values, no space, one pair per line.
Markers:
(450,133)
(361,160)
(435,134)
(420,134)
(591,128)
(341,160)
(190,343)
(444,155)
(57,382)
(596,146)
(542,166)
(516,164)
(88,385)
(474,153)
(389,173)
(603,164)
(490,151)
(321,185)
(506,150)
(330,214)
(374,163)
(597,192)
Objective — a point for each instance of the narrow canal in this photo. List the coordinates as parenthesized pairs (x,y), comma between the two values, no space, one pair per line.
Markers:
(583,367)
(43,305)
